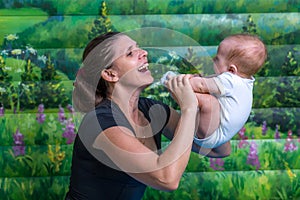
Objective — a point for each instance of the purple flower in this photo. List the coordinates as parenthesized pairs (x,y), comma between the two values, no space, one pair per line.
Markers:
(69,131)
(61,115)
(252,158)
(18,138)
(70,108)
(40,116)
(243,139)
(243,143)
(19,147)
(277,135)
(41,108)
(1,111)
(19,150)
(242,133)
(264,128)
(216,163)
(289,144)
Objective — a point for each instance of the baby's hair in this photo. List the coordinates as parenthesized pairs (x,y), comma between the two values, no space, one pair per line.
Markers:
(247,52)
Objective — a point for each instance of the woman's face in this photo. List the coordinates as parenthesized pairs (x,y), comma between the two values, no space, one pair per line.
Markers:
(132,65)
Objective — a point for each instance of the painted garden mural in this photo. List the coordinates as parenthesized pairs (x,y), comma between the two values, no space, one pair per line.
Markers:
(41,48)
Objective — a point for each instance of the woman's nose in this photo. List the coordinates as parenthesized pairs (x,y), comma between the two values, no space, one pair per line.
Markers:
(142,53)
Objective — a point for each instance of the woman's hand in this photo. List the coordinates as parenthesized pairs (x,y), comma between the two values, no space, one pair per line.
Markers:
(182,91)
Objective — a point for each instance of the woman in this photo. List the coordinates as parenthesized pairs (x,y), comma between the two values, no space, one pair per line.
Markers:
(117,151)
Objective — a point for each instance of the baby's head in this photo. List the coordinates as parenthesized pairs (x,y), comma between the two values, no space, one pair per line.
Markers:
(243,54)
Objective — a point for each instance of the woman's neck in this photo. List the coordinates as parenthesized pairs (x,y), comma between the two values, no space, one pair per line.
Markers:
(127,101)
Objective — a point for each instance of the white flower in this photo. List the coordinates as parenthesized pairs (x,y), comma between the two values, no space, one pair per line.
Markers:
(173,68)
(25,87)
(162,59)
(2,90)
(174,55)
(42,58)
(16,52)
(4,53)
(12,37)
(7,68)
(31,50)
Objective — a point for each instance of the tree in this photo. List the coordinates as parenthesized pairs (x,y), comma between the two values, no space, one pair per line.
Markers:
(5,84)
(28,74)
(290,65)
(28,86)
(250,26)
(51,91)
(102,24)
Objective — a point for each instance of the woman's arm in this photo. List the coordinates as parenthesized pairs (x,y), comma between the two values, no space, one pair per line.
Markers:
(170,128)
(158,171)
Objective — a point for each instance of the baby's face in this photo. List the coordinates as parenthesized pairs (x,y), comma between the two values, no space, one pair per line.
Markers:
(220,62)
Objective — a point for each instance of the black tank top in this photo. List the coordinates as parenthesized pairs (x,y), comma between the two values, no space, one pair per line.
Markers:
(94,180)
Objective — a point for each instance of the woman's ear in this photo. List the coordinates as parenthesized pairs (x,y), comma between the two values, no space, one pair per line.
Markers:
(232,69)
(109,75)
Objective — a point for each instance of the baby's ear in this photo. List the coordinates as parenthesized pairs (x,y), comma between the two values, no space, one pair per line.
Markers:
(109,75)
(232,69)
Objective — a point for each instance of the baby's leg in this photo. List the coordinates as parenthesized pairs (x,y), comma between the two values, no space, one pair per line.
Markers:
(209,119)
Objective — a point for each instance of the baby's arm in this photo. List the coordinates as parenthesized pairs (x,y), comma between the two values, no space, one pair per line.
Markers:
(204,85)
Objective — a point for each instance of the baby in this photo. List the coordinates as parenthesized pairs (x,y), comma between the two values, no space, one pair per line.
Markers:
(225,99)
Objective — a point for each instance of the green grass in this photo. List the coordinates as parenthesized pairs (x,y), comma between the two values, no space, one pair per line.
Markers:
(22,12)
(13,21)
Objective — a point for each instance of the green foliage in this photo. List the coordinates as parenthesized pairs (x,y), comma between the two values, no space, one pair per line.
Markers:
(26,90)
(232,185)
(102,24)
(17,21)
(250,26)
(290,66)
(28,86)
(282,61)
(67,61)
(276,92)
(51,86)
(286,118)
(276,101)
(200,7)
(5,84)
(48,73)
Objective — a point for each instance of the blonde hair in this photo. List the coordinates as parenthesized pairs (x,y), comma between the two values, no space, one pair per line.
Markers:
(247,52)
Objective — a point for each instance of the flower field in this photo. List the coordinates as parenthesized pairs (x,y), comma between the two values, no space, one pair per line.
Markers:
(41,47)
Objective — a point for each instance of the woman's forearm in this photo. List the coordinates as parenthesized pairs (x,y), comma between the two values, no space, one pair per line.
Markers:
(183,136)
(177,154)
